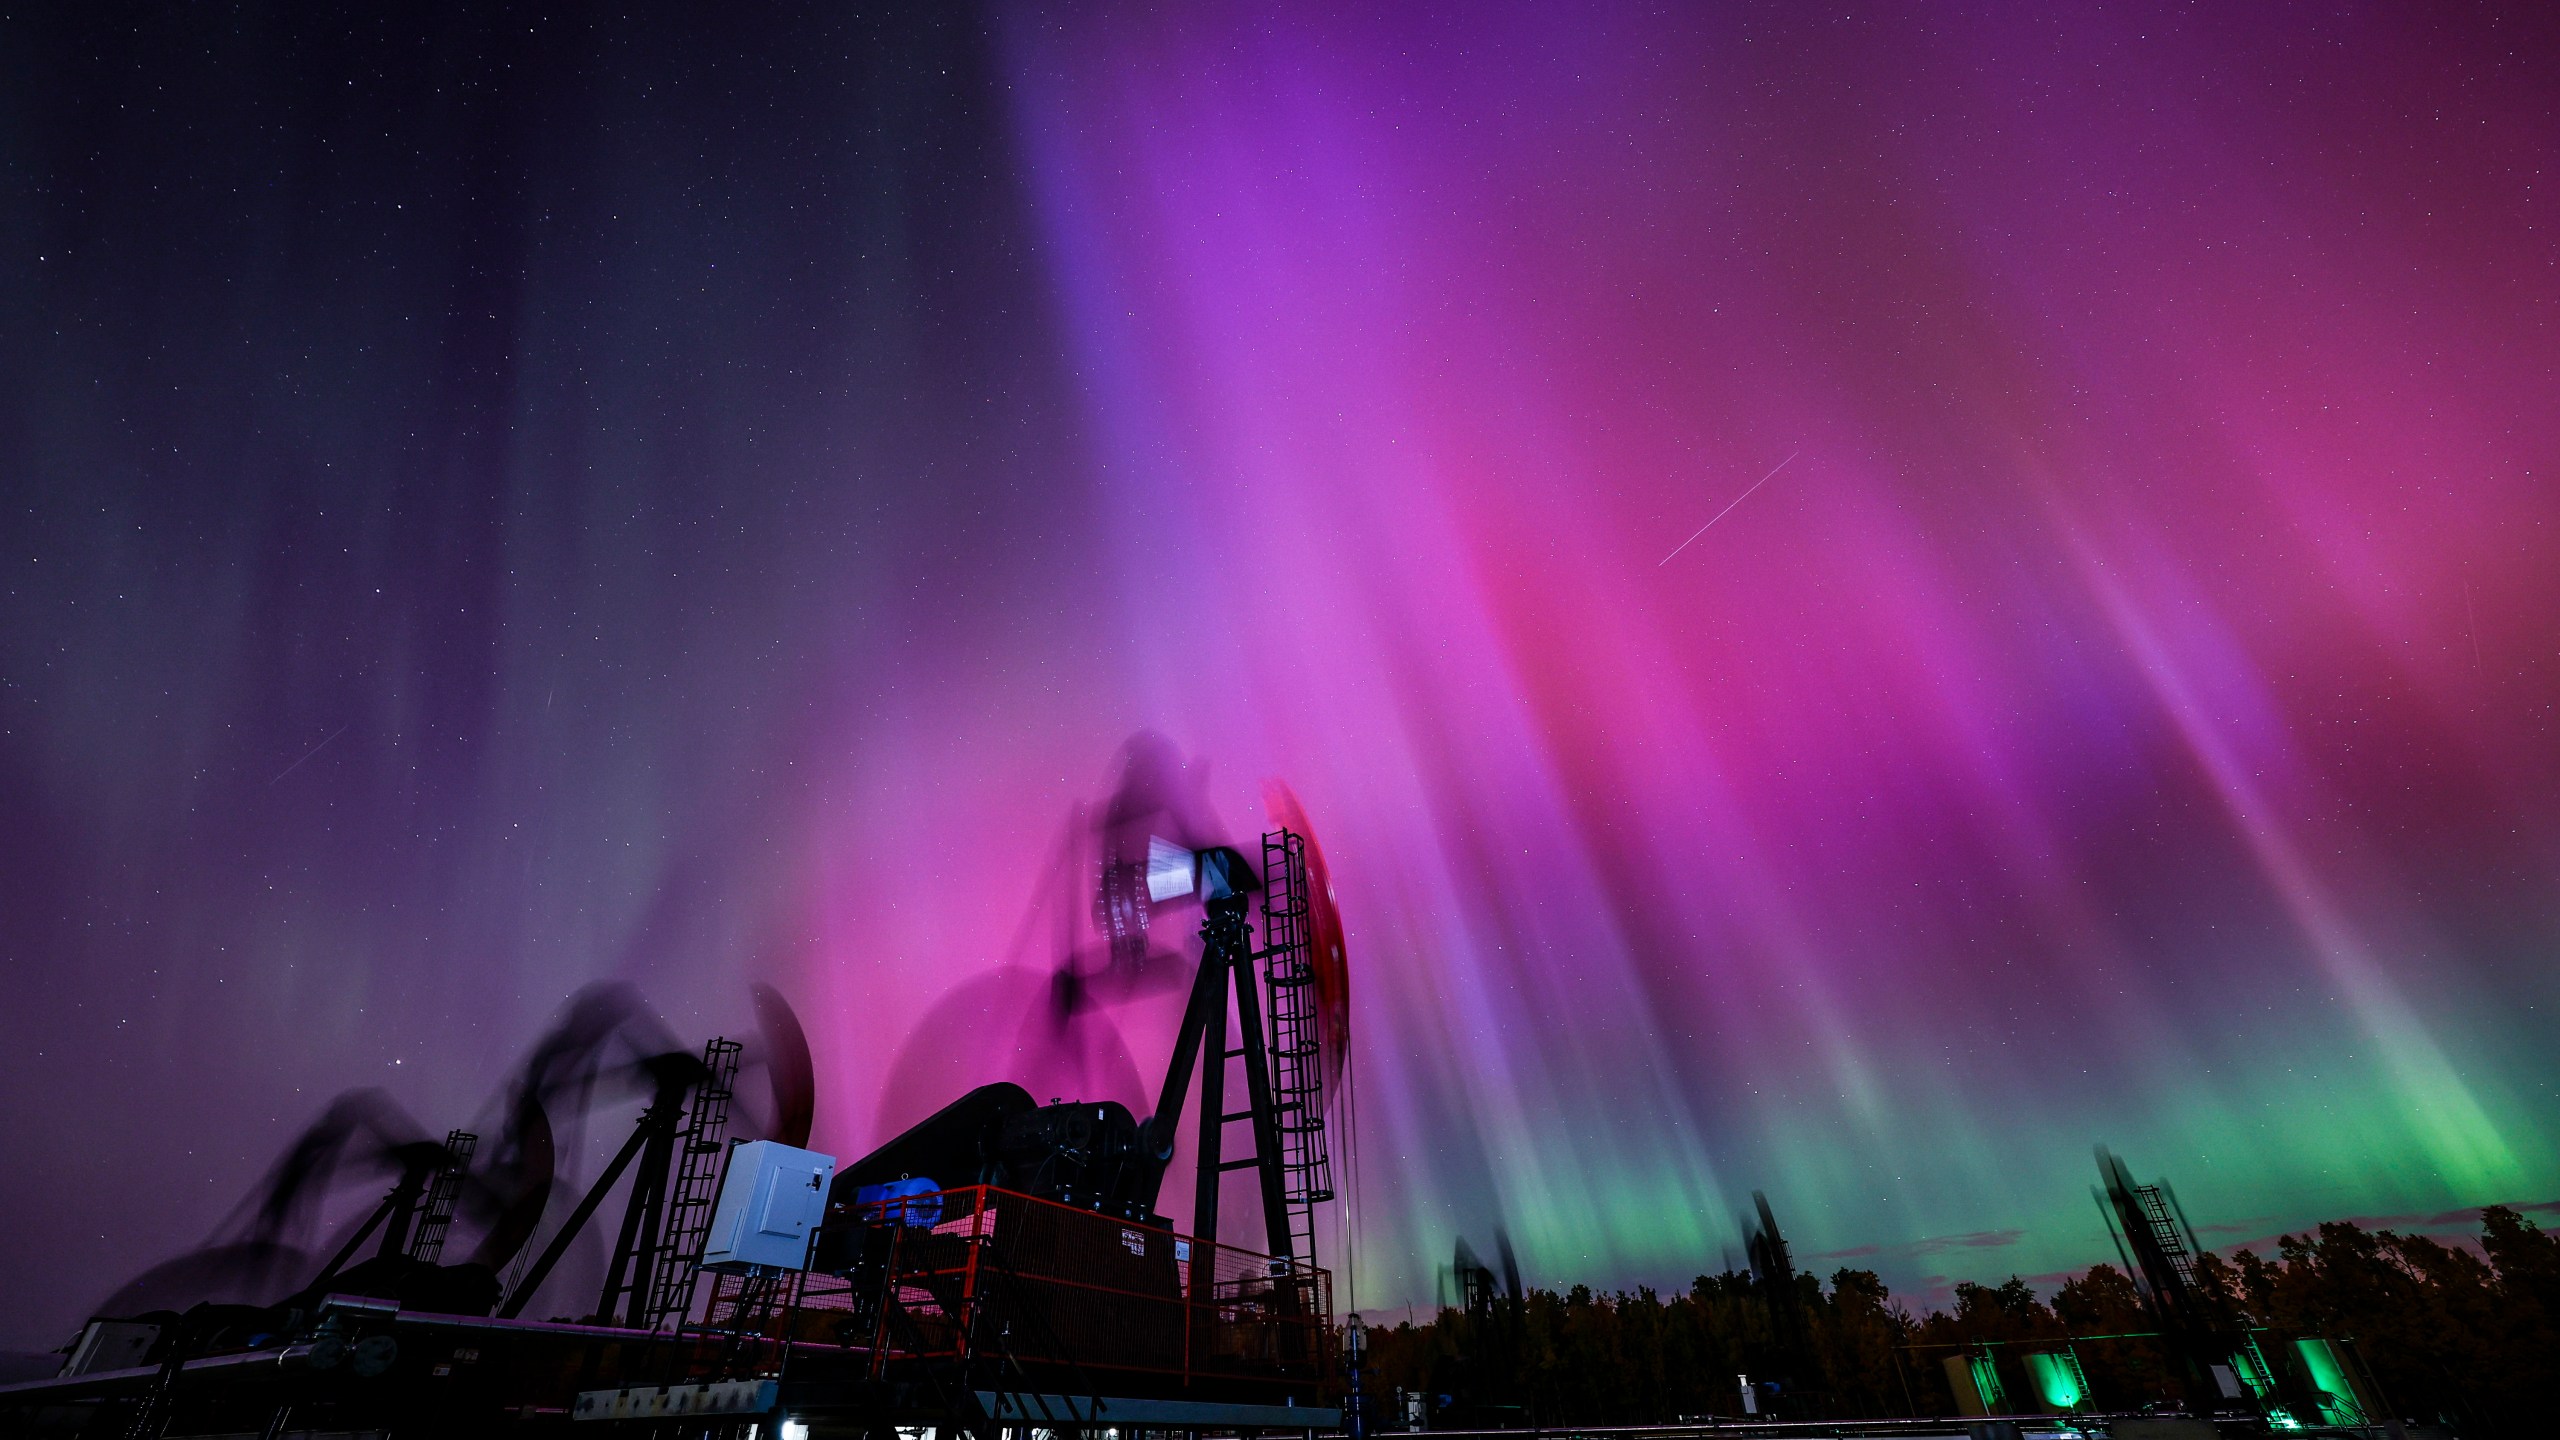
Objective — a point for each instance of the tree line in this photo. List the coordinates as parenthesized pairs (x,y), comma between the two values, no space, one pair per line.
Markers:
(2442,1333)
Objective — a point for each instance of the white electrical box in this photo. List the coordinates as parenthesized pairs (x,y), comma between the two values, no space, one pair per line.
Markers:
(772,1201)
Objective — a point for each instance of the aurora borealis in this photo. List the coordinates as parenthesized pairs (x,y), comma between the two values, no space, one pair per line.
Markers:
(505,505)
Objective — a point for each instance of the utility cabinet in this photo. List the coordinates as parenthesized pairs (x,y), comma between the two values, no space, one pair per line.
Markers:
(771,1202)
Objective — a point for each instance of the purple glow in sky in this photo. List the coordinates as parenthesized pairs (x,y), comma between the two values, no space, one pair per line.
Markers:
(705,507)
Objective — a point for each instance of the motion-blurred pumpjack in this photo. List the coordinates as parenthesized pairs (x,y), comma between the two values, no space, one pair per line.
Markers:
(1096,1155)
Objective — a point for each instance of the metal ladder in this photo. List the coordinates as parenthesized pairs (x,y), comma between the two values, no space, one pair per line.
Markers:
(1297,1061)
(2069,1359)
(2251,1365)
(699,1152)
(436,1216)
(2166,1233)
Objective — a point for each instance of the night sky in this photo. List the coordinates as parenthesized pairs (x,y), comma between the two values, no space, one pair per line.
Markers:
(543,498)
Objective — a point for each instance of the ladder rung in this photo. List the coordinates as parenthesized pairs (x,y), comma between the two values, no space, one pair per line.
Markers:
(1245,1164)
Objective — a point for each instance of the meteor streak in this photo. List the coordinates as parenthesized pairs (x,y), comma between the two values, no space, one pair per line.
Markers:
(1738,499)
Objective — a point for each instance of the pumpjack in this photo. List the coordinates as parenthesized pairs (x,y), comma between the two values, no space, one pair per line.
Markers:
(1098,1155)
(2217,1359)
(678,1144)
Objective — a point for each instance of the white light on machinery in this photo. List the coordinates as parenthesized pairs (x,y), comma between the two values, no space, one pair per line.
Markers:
(771,1202)
(1169,869)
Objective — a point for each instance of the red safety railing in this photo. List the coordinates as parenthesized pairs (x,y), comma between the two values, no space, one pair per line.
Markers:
(979,1273)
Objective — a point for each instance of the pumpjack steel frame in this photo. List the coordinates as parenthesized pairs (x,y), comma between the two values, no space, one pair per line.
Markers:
(678,1145)
(1281,1053)
(1226,975)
